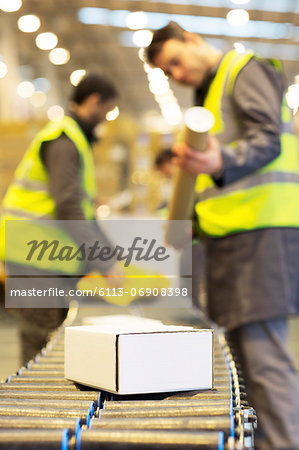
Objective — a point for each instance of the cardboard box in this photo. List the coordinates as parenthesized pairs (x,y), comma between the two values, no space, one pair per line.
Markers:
(139,356)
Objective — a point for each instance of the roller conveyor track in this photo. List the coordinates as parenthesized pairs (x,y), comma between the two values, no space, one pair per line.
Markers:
(40,409)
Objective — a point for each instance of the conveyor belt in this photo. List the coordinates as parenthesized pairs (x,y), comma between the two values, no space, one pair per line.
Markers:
(40,409)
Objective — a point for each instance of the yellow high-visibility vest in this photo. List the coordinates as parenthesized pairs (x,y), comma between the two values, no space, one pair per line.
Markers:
(28,196)
(267,198)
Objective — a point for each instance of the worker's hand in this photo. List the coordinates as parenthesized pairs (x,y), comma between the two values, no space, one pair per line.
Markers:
(195,162)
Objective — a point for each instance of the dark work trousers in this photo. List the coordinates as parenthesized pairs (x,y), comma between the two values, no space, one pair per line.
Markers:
(271,381)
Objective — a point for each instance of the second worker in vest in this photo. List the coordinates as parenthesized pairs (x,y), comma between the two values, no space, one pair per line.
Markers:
(247,208)
(56,180)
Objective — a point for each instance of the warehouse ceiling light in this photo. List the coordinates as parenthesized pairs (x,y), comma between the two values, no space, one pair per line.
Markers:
(103,211)
(159,87)
(113,114)
(142,38)
(292,97)
(264,5)
(147,68)
(168,97)
(237,17)
(136,20)
(59,56)
(239,47)
(55,113)
(207,25)
(172,113)
(141,54)
(25,89)
(156,75)
(10,5)
(29,23)
(38,99)
(46,41)
(158,83)
(240,2)
(3,69)
(76,76)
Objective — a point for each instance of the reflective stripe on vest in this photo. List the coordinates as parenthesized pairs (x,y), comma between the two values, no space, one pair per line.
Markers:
(269,196)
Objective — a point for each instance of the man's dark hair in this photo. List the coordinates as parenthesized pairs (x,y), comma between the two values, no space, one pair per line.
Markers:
(91,84)
(164,156)
(170,31)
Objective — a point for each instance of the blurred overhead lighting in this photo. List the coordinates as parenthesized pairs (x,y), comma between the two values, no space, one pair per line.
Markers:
(86,14)
(159,87)
(237,17)
(103,211)
(172,113)
(240,2)
(141,54)
(28,23)
(10,5)
(46,41)
(158,83)
(55,113)
(76,76)
(59,56)
(217,26)
(38,99)
(239,47)
(147,68)
(156,74)
(113,114)
(165,98)
(292,96)
(142,38)
(3,69)
(25,89)
(136,20)
(168,97)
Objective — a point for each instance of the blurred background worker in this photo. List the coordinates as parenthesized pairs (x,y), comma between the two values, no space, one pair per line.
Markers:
(247,197)
(56,180)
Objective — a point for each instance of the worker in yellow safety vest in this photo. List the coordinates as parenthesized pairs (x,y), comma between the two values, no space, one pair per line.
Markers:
(247,195)
(55,181)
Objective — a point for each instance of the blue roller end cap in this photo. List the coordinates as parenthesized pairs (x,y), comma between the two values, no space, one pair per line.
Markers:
(221,441)
(99,399)
(77,427)
(65,439)
(88,420)
(92,408)
(78,439)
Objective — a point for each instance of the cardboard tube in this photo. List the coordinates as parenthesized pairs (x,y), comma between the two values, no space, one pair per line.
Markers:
(198,122)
